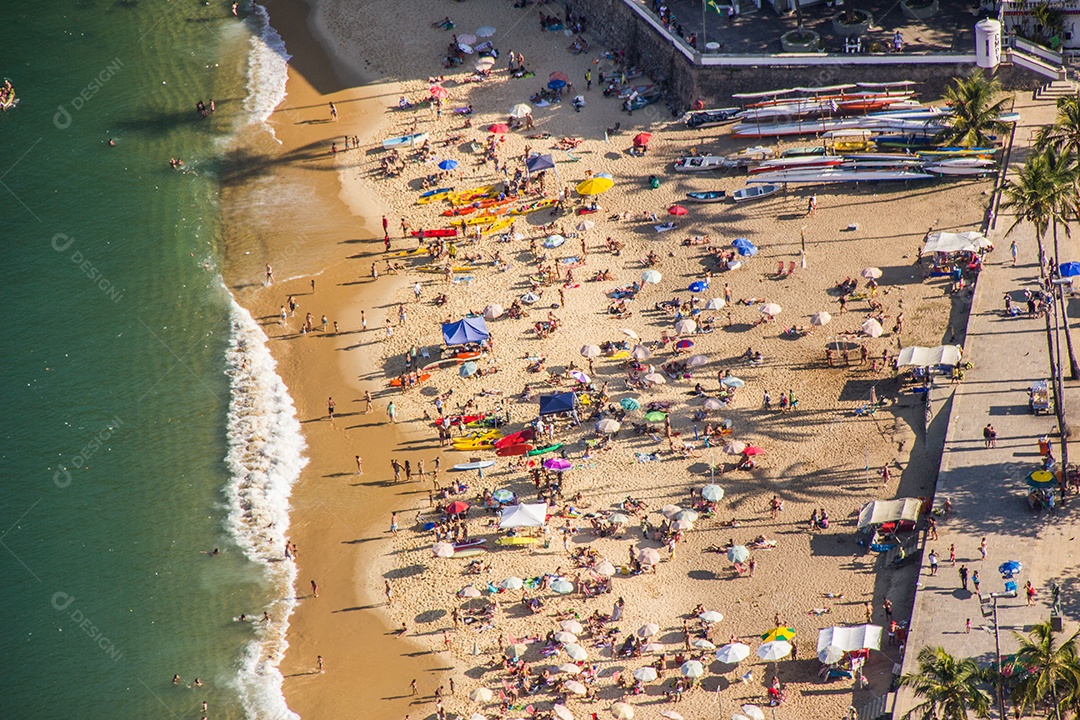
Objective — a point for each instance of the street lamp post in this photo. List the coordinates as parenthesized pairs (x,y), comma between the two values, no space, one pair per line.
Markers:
(997,650)
(1057,303)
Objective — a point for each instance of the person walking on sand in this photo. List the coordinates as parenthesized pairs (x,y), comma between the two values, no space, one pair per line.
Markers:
(388,592)
(1014,250)
(975,581)
(811,206)
(333,112)
(393,523)
(391,412)
(314,589)
(412,686)
(367,399)
(321,666)
(330,408)
(269,274)
(397,469)
(933,563)
(359,465)
(982,548)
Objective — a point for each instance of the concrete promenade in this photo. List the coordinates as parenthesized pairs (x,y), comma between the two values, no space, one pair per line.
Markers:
(986,486)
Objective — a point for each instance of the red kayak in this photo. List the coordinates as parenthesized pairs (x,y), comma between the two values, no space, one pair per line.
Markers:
(516,438)
(439,232)
(512,450)
(459,420)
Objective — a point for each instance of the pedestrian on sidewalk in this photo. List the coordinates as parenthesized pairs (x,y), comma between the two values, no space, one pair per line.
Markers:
(963,576)
(1013,250)
(1030,592)
(952,555)
(975,580)
(982,548)
(933,563)
(967,626)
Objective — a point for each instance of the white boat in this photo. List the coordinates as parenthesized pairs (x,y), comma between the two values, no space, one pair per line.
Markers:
(410,140)
(754,192)
(962,166)
(699,163)
(792,163)
(804,127)
(831,175)
(965,162)
(857,163)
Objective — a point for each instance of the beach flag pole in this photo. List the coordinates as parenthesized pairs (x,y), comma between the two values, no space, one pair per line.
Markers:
(867,451)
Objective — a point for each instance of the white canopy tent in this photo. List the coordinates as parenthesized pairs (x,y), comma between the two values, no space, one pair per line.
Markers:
(861,637)
(945,242)
(883,511)
(525,515)
(925,357)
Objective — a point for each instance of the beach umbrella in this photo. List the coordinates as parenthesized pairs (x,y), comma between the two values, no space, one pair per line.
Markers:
(1009,568)
(683,525)
(585,225)
(648,556)
(630,333)
(642,139)
(711,616)
(439,91)
(738,554)
(468,39)
(568,669)
(448,164)
(575,652)
(640,352)
(1041,479)
(469,591)
(733,382)
(484,63)
(752,450)
(685,327)
(457,507)
(512,583)
(554,241)
(783,633)
(557,75)
(575,687)
(712,493)
(622,711)
(652,277)
(770,309)
(655,378)
(715,304)
(467,49)
(630,404)
(1069,269)
(572,626)
(590,351)
(713,404)
(645,674)
(741,242)
(684,344)
(481,694)
(536,163)
(677,210)
(499,129)
(655,416)
(478,716)
(565,637)
(515,650)
(872,328)
(503,495)
(820,318)
(468,369)
(608,426)
(618,519)
(581,377)
(735,447)
(697,360)
(871,273)
(485,31)
(562,713)
(562,587)
(595,186)
(690,515)
(558,464)
(653,647)
(745,251)
(556,84)
(774,650)
(493,311)
(753,712)
(443,550)
(604,568)
(648,630)
(670,511)
(830,654)
(692,669)
(519,111)
(671,715)
(733,653)
(703,644)
(734,265)
(739,716)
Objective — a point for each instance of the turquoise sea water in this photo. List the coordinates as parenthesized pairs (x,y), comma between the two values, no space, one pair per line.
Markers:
(144,424)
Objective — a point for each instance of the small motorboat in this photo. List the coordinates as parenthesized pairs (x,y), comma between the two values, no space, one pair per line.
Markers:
(707,197)
(699,163)
(754,192)
(708,118)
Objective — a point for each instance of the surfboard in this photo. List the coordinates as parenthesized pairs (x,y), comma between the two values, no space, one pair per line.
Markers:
(516,541)
(544,450)
(478,465)
(513,450)
(468,552)
(467,355)
(396,382)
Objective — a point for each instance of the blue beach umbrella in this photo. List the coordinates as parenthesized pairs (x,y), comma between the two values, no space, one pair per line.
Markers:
(468,369)
(698,286)
(1069,269)
(448,164)
(557,84)
(1009,568)
(629,404)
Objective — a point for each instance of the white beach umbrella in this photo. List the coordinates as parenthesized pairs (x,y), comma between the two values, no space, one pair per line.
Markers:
(648,556)
(715,304)
(562,587)
(753,712)
(630,333)
(467,49)
(671,715)
(711,616)
(697,360)
(820,318)
(738,554)
(735,447)
(669,511)
(520,110)
(562,713)
(653,647)
(712,493)
(493,311)
(575,687)
(774,650)
(577,653)
(871,273)
(830,654)
(713,404)
(655,378)
(512,583)
(734,265)
(652,277)
(590,351)
(442,549)
(645,674)
(470,592)
(604,568)
(685,327)
(608,426)
(733,653)
(770,309)
(565,637)
(692,669)
(481,694)
(478,716)
(739,716)
(485,63)
(703,644)
(572,626)
(568,669)
(622,711)
(618,519)
(683,525)
(640,352)
(485,31)
(648,630)
(516,650)
(872,328)
(585,225)
(690,515)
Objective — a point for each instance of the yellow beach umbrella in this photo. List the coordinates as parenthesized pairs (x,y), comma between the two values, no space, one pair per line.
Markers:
(780,633)
(595,186)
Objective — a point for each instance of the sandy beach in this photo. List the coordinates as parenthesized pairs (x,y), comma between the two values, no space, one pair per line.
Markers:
(820,455)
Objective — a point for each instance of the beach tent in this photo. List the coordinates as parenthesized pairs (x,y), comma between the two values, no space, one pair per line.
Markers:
(925,357)
(883,511)
(557,403)
(467,330)
(848,639)
(519,516)
(945,242)
(536,163)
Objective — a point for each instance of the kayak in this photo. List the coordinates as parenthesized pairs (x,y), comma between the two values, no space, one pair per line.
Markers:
(465,197)
(516,438)
(468,552)
(478,465)
(490,215)
(490,422)
(457,211)
(469,544)
(467,355)
(512,450)
(472,447)
(440,232)
(497,226)
(433,196)
(396,382)
(458,419)
(544,450)
(534,207)
(517,541)
(486,435)
(439,269)
(410,253)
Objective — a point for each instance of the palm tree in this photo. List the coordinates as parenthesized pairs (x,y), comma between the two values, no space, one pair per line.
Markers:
(950,688)
(1064,134)
(1053,670)
(976,114)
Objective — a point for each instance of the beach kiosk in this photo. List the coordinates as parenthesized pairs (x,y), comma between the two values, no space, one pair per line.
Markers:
(839,646)
(880,525)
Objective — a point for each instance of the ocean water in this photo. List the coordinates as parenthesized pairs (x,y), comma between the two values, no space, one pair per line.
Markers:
(145,423)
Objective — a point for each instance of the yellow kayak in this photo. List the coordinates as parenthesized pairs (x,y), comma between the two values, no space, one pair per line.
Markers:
(534,207)
(464,197)
(437,196)
(439,269)
(512,541)
(497,226)
(408,253)
(470,448)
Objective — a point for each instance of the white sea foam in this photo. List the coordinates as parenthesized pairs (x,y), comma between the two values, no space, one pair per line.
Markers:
(267,71)
(265,457)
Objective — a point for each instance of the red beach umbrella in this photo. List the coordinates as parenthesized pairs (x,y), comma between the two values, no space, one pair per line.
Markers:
(752,450)
(559,76)
(457,507)
(677,210)
(642,139)
(439,91)
(499,128)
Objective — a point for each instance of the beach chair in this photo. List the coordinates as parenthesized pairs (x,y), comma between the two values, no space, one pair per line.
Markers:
(780,267)
(791,267)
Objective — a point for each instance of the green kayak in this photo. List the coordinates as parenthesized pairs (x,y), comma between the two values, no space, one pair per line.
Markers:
(544,450)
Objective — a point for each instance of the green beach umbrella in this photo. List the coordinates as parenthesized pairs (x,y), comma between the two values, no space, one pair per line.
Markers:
(630,404)
(655,416)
